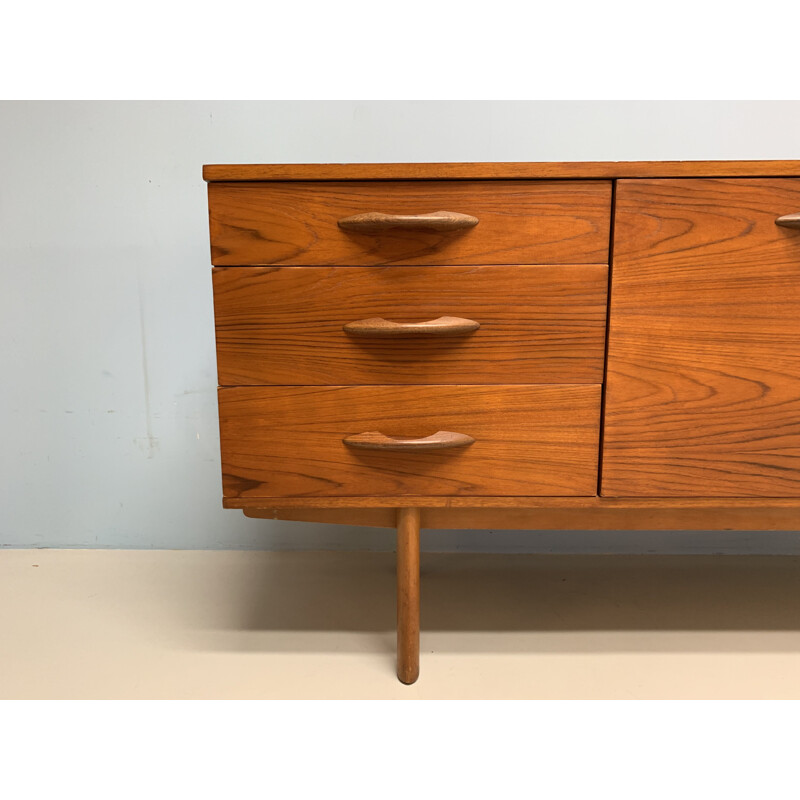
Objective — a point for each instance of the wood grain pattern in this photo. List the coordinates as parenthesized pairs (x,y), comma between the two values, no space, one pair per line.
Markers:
(376,222)
(408,594)
(602,517)
(520,223)
(441,326)
(285,325)
(441,440)
(525,170)
(530,440)
(589,503)
(703,395)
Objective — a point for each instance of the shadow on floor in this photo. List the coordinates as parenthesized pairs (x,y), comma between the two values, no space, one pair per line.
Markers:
(300,601)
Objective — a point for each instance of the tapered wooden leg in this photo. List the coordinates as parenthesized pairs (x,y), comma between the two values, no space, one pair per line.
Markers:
(408,594)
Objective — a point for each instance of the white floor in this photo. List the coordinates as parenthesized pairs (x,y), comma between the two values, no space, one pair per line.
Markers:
(242,624)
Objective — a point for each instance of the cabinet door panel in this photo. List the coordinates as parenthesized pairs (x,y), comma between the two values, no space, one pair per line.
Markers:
(703,385)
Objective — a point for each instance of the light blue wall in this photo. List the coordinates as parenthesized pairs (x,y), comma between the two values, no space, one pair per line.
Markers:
(108,372)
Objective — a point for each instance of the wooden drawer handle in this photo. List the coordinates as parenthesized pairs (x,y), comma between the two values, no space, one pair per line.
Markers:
(441,440)
(789,221)
(375,221)
(443,326)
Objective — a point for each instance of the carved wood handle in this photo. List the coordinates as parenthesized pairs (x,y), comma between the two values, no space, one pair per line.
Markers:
(443,326)
(375,221)
(441,440)
(789,221)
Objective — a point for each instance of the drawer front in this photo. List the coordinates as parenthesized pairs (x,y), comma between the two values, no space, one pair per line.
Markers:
(287,441)
(703,393)
(519,222)
(286,325)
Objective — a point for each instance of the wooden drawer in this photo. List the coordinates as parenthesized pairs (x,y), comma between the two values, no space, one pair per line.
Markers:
(528,440)
(285,325)
(703,394)
(519,222)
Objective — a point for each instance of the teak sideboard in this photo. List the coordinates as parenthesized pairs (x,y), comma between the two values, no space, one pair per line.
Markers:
(530,345)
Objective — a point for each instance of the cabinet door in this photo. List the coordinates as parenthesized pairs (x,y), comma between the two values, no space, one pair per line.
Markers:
(703,382)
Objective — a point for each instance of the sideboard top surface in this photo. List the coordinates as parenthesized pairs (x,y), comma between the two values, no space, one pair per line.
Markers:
(528,170)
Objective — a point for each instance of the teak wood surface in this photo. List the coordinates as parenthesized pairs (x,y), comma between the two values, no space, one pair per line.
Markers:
(703,392)
(378,327)
(525,170)
(765,472)
(285,325)
(441,440)
(534,222)
(529,440)
(408,599)
(594,518)
(591,504)
(377,222)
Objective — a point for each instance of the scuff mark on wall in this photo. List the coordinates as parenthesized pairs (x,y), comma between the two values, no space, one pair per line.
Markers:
(147,443)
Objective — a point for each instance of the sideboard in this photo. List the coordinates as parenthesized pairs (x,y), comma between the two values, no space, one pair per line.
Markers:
(610,345)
